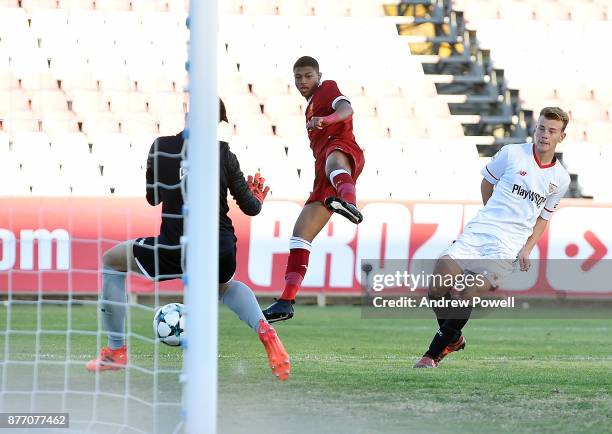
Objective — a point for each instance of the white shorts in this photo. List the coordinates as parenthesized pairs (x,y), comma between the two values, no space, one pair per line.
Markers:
(482,254)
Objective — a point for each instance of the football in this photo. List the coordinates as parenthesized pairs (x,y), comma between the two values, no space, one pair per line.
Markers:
(169,324)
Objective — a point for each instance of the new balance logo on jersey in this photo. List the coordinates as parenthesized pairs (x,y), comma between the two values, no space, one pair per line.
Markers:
(528,194)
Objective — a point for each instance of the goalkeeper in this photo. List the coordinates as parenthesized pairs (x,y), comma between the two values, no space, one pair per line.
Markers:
(161,257)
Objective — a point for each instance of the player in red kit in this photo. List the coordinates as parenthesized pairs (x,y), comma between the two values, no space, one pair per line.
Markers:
(338,163)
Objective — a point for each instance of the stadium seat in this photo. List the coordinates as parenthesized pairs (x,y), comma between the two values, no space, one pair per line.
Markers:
(325,8)
(8,81)
(141,144)
(171,124)
(11,180)
(277,106)
(586,111)
(479,11)
(291,126)
(69,146)
(381,88)
(83,176)
(252,125)
(123,26)
(401,129)
(13,21)
(294,8)
(391,108)
(76,5)
(14,100)
(27,60)
(603,92)
(363,105)
(599,131)
(56,123)
(120,82)
(366,128)
(232,83)
(239,105)
(138,123)
(366,8)
(94,124)
(86,102)
(146,6)
(154,83)
(551,11)
(515,11)
(586,11)
(127,102)
(179,7)
(299,152)
(125,177)
(271,84)
(21,122)
(49,101)
(419,91)
(106,146)
(576,131)
(112,5)
(443,128)
(4,143)
(43,177)
(33,5)
(39,82)
(48,21)
(532,93)
(572,91)
(254,7)
(434,109)
(168,102)
(31,146)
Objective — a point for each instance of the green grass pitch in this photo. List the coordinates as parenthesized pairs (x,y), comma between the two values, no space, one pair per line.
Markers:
(349,374)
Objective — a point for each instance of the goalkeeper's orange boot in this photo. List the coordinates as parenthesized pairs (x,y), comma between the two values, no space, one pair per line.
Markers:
(277,356)
(458,345)
(109,360)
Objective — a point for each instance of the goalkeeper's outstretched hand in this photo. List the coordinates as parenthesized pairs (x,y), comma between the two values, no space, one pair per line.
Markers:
(257,187)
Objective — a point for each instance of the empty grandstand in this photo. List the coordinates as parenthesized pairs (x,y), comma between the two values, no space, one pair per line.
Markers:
(90,111)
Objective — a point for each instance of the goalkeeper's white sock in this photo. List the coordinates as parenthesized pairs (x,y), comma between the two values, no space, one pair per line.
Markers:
(240,299)
(113,315)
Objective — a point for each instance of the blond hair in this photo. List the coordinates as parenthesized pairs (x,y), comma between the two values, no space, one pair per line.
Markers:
(557,114)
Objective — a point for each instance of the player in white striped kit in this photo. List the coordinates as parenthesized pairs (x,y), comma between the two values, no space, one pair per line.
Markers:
(521,188)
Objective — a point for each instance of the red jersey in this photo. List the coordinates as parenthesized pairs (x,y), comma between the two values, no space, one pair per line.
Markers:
(323,103)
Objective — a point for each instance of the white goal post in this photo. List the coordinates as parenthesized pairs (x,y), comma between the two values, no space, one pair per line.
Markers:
(202,222)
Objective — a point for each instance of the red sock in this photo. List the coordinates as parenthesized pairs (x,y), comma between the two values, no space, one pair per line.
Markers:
(297,265)
(344,185)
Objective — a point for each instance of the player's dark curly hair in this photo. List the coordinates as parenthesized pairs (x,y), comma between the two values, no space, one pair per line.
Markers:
(305,61)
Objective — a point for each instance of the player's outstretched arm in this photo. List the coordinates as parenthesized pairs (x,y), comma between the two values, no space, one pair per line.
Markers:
(486,190)
(343,112)
(242,192)
(152,191)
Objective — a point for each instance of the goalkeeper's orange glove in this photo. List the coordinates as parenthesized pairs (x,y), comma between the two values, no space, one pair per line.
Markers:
(257,187)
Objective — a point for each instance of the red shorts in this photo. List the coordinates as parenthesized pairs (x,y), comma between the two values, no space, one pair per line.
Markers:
(322,188)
